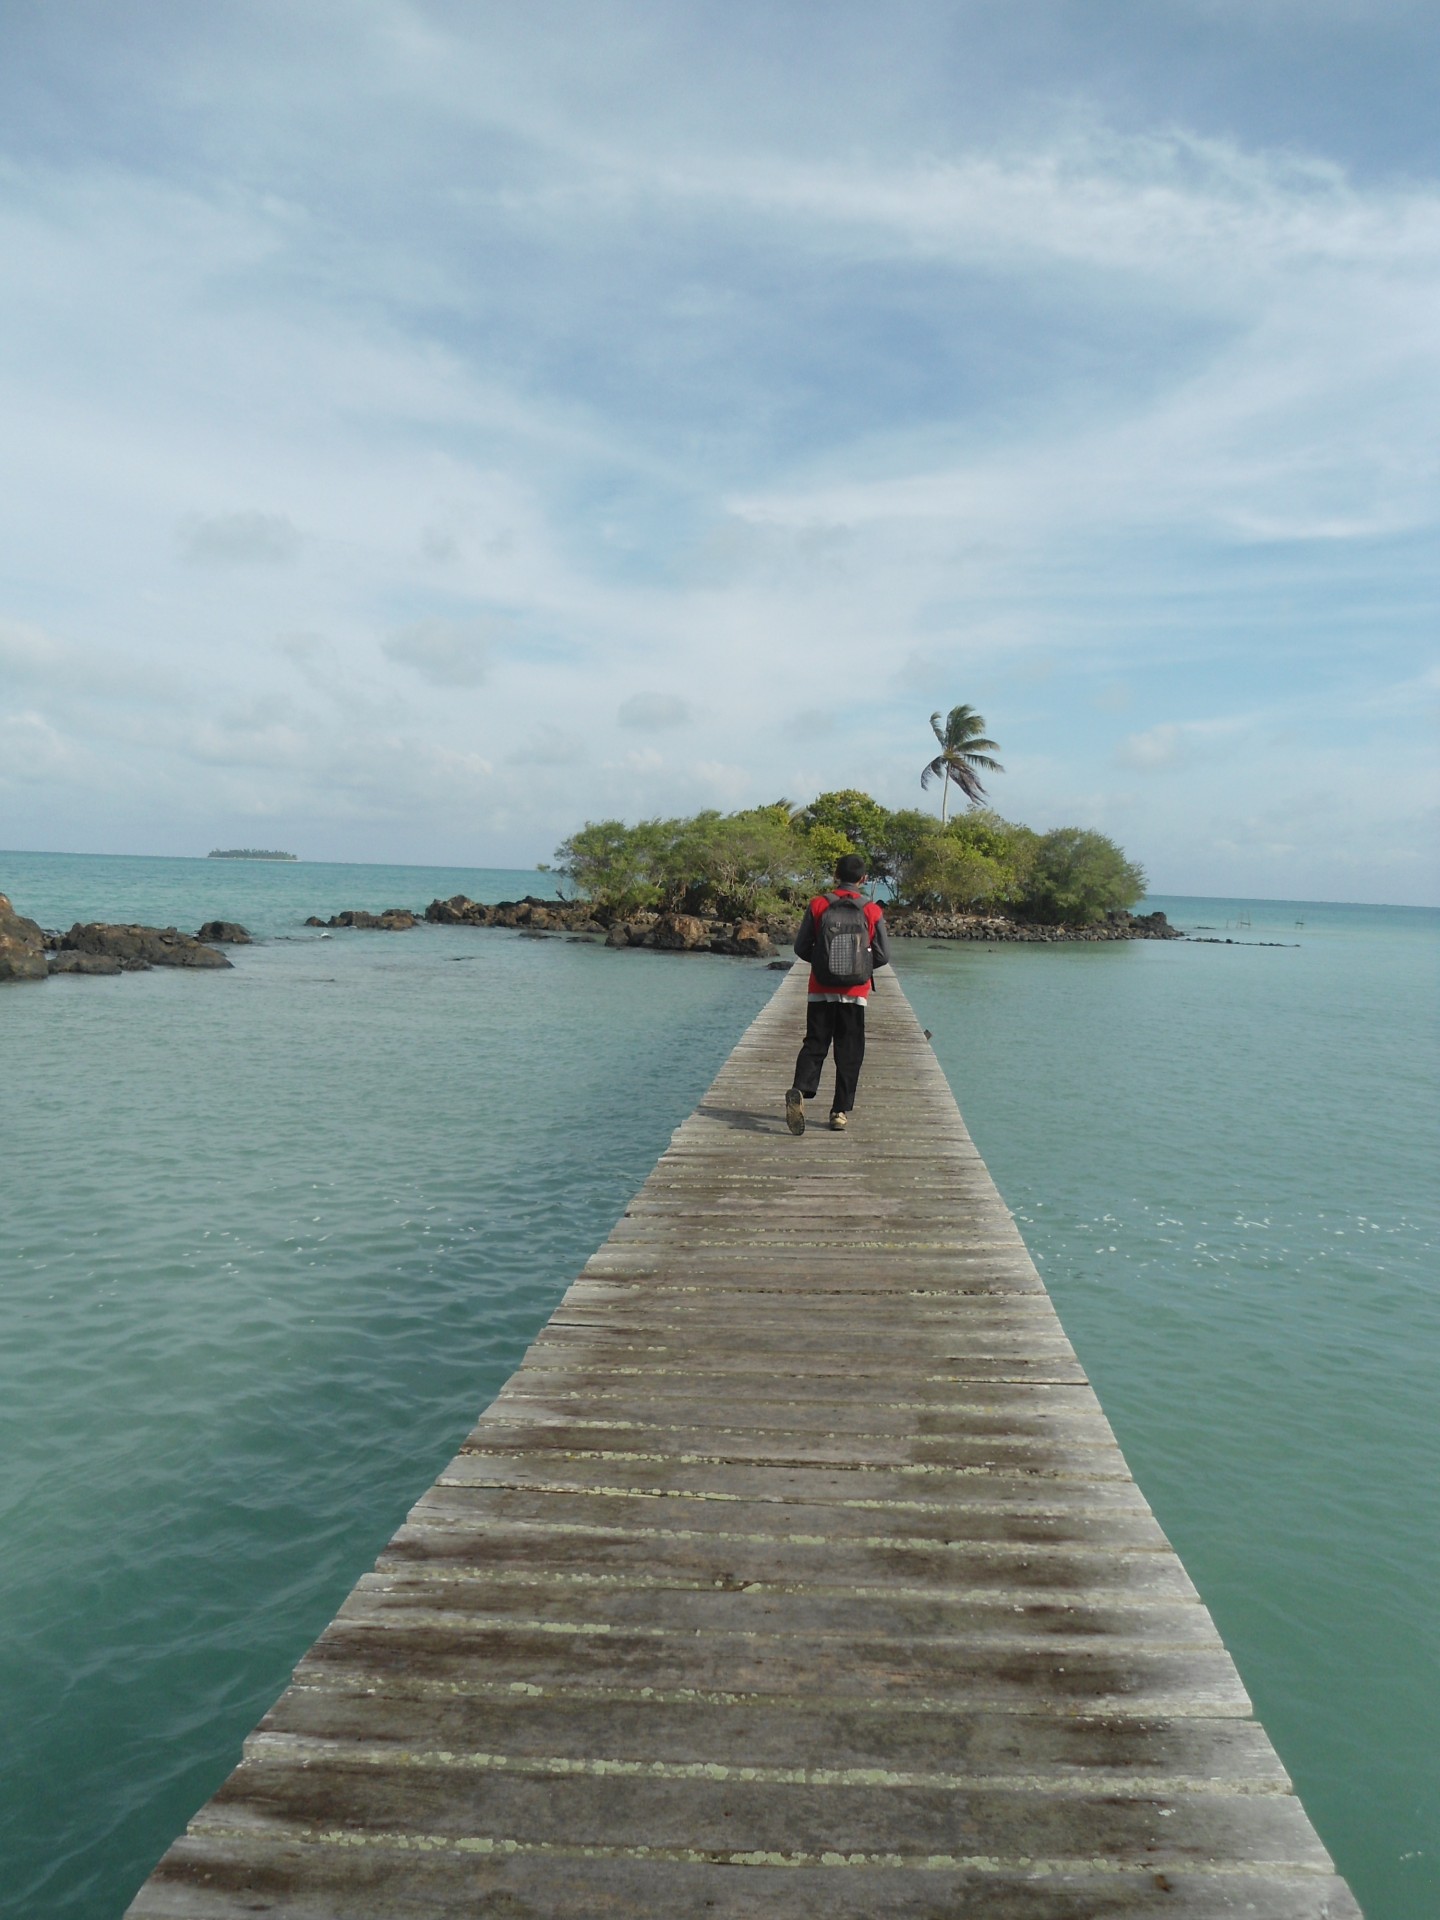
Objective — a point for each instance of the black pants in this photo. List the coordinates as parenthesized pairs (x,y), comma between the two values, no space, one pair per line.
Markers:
(832,1023)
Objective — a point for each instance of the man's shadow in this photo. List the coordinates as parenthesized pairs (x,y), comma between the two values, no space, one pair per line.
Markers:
(741,1120)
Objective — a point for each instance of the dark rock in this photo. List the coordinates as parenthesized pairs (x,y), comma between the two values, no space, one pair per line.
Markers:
(22,946)
(671,932)
(223,933)
(678,933)
(459,911)
(392,920)
(753,941)
(908,923)
(747,938)
(780,966)
(68,962)
(137,947)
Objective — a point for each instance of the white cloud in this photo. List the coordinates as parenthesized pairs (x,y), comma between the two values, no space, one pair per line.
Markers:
(447,653)
(29,653)
(707,395)
(72,677)
(248,539)
(31,749)
(260,733)
(1178,743)
(1156,748)
(546,749)
(654,712)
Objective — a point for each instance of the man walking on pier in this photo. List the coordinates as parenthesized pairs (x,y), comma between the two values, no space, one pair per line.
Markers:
(843,937)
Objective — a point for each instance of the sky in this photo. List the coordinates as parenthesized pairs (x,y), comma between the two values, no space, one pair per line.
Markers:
(429,426)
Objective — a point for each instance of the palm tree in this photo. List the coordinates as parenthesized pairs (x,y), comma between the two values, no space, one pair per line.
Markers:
(963,748)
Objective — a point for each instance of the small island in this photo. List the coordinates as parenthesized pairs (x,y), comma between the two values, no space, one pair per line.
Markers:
(248,853)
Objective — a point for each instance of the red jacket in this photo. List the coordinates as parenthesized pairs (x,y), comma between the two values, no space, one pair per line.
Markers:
(879,944)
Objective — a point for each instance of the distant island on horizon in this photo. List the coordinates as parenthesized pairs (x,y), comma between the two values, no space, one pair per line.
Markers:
(248,853)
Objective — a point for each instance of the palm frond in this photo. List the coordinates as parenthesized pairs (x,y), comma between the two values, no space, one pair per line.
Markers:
(966,779)
(964,748)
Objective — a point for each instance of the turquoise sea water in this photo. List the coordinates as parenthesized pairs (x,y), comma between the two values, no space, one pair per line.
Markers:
(269,1238)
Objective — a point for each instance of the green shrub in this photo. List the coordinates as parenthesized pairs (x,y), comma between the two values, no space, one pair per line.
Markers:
(732,865)
(903,839)
(953,877)
(613,865)
(856,819)
(771,859)
(1078,877)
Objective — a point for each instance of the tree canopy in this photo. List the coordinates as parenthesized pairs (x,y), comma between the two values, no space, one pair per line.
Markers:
(770,859)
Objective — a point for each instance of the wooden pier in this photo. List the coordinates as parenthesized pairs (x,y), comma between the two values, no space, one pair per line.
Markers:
(796,1572)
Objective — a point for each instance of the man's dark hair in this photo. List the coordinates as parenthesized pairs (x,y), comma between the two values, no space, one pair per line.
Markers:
(850,869)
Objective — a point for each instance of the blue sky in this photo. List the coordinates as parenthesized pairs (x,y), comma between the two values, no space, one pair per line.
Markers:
(428,426)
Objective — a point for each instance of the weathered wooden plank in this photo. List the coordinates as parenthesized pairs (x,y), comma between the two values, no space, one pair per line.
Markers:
(894,1373)
(224,1875)
(494,1595)
(722,1445)
(461,1531)
(442,1798)
(795,1572)
(711,1316)
(937,1491)
(921,1395)
(1002,1409)
(999,1669)
(804,1734)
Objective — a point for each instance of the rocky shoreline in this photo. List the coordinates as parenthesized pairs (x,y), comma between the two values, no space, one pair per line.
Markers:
(757,938)
(906,925)
(31,952)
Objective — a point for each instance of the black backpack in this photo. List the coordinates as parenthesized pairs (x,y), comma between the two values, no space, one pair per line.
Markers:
(842,951)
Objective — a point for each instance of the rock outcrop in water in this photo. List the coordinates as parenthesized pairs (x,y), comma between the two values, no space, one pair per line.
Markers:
(908,923)
(662,932)
(22,946)
(751,939)
(530,915)
(135,948)
(70,962)
(392,920)
(223,933)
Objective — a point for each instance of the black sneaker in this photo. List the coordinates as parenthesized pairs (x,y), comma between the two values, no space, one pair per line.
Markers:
(795,1110)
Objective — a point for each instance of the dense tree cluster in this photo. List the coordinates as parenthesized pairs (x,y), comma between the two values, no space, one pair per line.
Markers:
(768,859)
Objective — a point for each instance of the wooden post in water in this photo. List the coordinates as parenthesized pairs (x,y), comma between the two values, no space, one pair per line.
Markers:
(796,1572)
